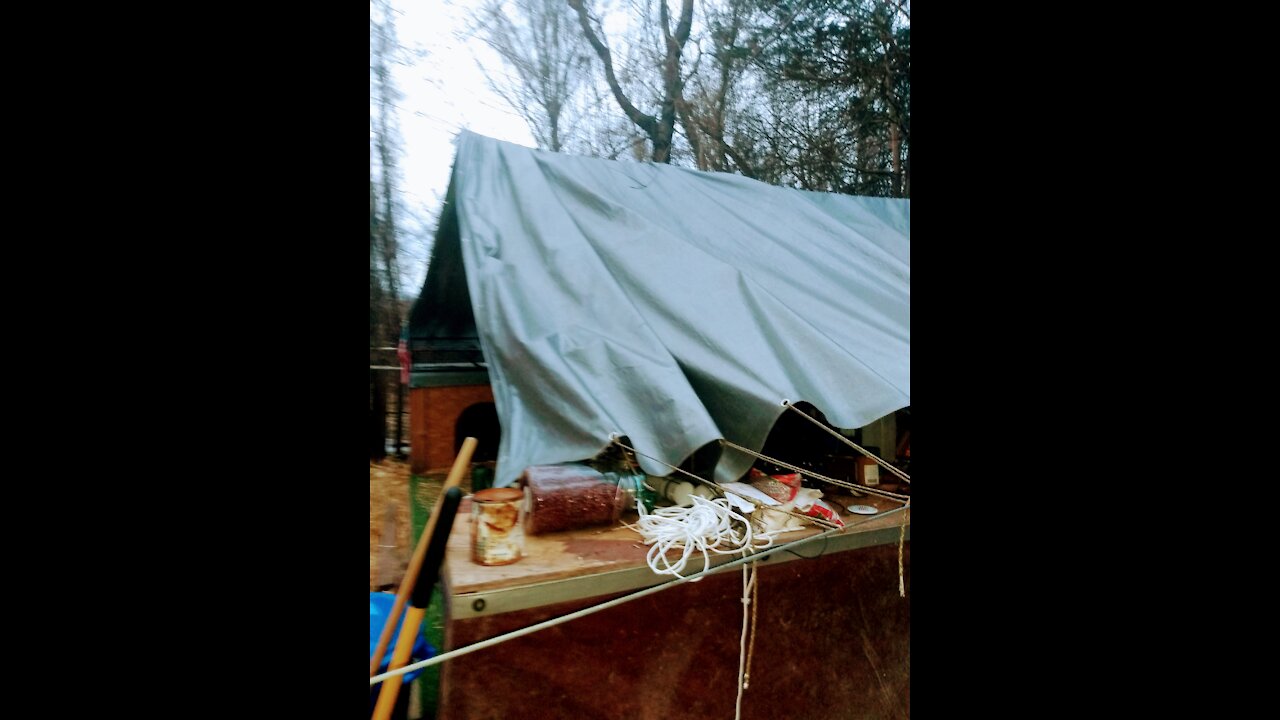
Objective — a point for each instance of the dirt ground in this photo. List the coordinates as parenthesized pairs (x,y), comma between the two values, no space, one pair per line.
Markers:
(390,527)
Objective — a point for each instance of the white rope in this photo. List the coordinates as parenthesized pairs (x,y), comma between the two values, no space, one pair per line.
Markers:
(748,581)
(902,539)
(905,478)
(702,526)
(842,483)
(615,602)
(722,490)
(706,526)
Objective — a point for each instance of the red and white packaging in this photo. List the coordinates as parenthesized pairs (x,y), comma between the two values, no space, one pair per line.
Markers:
(782,488)
(820,509)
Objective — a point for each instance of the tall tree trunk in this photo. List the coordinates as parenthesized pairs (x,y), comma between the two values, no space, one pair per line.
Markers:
(384,306)
(661,127)
(897,161)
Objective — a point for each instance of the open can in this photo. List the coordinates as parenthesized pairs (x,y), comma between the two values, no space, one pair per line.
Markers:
(497,526)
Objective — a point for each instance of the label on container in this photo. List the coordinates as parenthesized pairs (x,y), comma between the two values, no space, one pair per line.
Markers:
(872,475)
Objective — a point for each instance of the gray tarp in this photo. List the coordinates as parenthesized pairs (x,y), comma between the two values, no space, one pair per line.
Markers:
(672,306)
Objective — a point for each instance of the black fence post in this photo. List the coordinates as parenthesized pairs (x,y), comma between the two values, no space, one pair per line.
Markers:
(399,417)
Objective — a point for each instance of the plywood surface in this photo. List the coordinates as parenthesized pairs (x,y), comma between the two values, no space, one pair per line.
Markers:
(589,551)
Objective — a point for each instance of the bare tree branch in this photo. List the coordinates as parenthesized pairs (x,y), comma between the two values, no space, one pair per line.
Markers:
(659,128)
(648,123)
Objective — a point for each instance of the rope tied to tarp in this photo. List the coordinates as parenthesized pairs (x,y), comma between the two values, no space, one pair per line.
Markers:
(706,526)
(817,476)
(904,499)
(721,490)
(690,528)
(898,497)
(887,466)
(750,554)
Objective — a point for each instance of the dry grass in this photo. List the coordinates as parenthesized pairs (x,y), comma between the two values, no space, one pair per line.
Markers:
(388,487)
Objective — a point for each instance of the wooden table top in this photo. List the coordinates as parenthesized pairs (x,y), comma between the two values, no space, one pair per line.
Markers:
(604,549)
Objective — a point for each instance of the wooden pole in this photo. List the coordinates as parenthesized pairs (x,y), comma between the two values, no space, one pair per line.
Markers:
(418,602)
(460,465)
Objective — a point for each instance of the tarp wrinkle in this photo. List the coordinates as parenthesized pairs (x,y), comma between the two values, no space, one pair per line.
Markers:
(674,306)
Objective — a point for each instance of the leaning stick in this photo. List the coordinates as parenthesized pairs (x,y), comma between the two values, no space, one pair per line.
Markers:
(418,602)
(460,465)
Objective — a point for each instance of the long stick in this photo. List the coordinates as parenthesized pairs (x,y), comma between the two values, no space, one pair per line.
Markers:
(460,465)
(418,601)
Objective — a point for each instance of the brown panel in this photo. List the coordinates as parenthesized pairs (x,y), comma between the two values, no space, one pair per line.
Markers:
(833,643)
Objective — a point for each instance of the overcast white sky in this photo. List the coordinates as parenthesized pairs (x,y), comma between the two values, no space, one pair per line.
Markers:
(442,92)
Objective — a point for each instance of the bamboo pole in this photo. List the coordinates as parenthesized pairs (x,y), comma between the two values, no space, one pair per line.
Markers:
(460,464)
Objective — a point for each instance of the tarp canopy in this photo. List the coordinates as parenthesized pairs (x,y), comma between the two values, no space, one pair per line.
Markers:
(671,306)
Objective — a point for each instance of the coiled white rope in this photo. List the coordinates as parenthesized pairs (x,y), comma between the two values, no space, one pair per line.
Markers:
(708,526)
(722,490)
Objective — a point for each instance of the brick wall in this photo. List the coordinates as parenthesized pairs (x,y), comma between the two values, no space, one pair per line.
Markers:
(433,418)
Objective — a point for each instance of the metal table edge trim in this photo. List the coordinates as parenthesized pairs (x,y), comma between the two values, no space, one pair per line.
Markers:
(493,602)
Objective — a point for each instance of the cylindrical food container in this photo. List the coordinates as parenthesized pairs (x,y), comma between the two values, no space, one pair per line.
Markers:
(868,471)
(568,497)
(497,530)
(678,491)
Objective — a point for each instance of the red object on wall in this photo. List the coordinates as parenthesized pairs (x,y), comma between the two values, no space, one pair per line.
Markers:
(406,362)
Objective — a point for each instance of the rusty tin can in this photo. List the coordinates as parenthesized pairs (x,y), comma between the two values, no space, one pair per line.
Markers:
(497,526)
